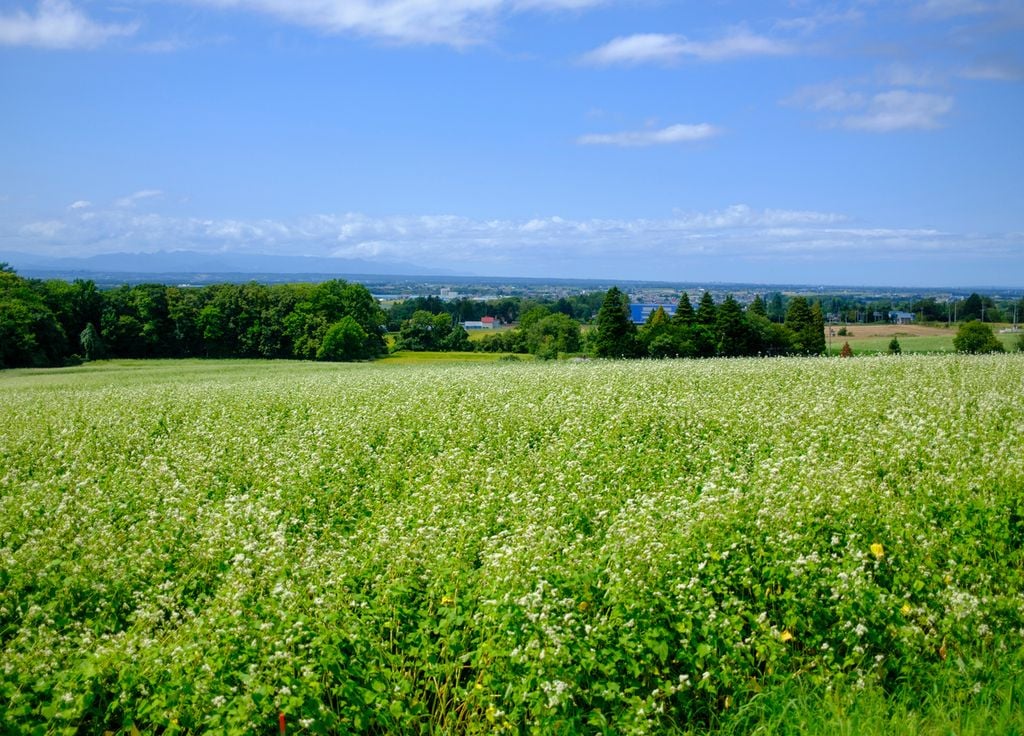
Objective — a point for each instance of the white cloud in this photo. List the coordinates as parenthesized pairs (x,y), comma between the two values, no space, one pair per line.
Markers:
(901,110)
(131,199)
(57,24)
(819,19)
(452,22)
(499,245)
(667,48)
(634,138)
(46,229)
(995,72)
(832,96)
(882,112)
(953,8)
(904,75)
(79,204)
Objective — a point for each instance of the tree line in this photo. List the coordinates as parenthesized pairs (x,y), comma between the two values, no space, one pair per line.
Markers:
(724,329)
(53,322)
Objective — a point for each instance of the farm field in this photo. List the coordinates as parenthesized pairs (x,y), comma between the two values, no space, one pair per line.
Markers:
(870,339)
(406,357)
(791,545)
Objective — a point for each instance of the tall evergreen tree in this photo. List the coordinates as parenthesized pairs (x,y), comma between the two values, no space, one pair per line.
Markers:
(807,325)
(684,312)
(816,331)
(757,307)
(776,308)
(730,329)
(706,310)
(615,333)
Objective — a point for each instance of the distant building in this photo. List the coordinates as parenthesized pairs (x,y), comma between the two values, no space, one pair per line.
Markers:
(639,313)
(448,295)
(486,323)
(901,318)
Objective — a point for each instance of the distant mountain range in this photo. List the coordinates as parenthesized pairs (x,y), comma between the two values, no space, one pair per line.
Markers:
(191,262)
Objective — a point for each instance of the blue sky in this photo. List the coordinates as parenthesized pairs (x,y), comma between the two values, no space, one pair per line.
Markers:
(857,142)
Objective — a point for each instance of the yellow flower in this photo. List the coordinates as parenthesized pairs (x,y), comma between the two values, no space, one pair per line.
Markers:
(906,609)
(785,635)
(878,550)
(447,600)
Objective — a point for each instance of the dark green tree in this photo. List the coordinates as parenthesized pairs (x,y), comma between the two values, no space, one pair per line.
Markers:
(707,313)
(757,307)
(776,307)
(807,325)
(970,308)
(684,311)
(30,334)
(532,316)
(976,337)
(457,339)
(816,331)
(767,337)
(91,342)
(894,346)
(615,333)
(731,329)
(344,340)
(657,335)
(553,334)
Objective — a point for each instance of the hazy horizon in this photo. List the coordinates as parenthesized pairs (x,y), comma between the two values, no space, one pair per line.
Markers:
(844,143)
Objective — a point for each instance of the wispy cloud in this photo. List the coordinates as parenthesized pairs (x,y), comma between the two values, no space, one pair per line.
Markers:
(452,22)
(901,110)
(634,138)
(509,246)
(819,19)
(57,24)
(953,8)
(882,112)
(135,197)
(832,96)
(994,72)
(669,48)
(905,75)
(80,204)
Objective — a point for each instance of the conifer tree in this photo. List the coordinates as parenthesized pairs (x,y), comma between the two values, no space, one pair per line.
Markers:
(616,333)
(730,328)
(684,312)
(807,326)
(707,313)
(757,307)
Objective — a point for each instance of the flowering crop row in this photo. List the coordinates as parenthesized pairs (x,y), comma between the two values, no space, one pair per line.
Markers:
(627,547)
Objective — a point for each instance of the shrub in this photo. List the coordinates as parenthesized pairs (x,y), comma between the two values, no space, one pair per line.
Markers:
(976,337)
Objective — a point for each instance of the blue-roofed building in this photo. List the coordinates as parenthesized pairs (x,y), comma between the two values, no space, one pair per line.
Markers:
(901,318)
(639,313)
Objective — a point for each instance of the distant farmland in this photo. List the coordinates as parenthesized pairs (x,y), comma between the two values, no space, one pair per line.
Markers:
(872,338)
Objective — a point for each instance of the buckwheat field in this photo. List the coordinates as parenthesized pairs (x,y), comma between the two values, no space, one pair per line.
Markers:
(642,547)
